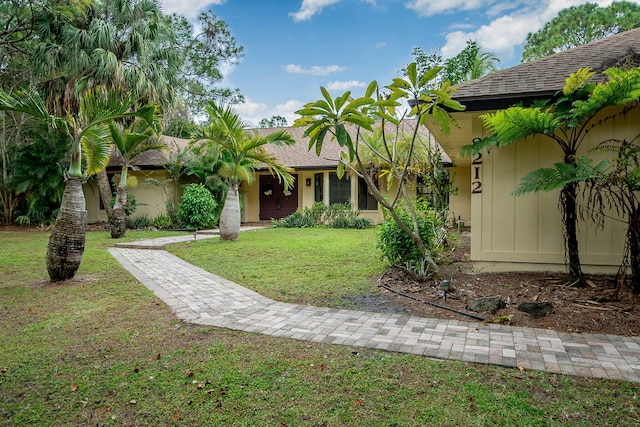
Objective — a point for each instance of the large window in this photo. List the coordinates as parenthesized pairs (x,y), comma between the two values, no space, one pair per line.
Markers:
(366,201)
(339,189)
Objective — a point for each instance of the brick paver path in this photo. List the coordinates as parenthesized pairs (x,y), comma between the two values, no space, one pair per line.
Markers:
(200,297)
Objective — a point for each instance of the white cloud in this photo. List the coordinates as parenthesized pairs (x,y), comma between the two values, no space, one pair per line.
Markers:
(380,44)
(187,8)
(316,70)
(342,86)
(432,7)
(310,8)
(252,112)
(507,31)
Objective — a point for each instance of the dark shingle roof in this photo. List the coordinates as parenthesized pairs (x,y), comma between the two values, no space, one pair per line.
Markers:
(545,76)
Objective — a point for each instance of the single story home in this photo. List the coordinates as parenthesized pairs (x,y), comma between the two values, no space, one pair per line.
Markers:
(525,233)
(316,180)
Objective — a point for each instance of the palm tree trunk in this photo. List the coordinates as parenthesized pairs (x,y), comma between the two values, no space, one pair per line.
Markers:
(66,243)
(118,220)
(633,240)
(105,191)
(568,205)
(230,215)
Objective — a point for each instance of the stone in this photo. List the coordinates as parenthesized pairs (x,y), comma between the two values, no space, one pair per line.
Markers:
(536,309)
(487,304)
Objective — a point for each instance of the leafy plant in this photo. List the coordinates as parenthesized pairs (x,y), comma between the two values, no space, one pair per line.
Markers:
(319,214)
(400,250)
(162,222)
(141,222)
(197,207)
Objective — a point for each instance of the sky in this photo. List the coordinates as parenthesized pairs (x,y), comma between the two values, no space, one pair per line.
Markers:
(292,47)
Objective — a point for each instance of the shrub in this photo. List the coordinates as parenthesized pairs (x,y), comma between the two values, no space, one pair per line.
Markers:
(319,214)
(398,249)
(139,223)
(197,207)
(162,222)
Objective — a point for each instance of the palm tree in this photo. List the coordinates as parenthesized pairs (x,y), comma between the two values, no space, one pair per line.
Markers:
(565,120)
(129,142)
(241,154)
(88,133)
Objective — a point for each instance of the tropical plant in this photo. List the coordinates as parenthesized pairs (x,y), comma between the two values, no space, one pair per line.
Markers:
(197,207)
(89,135)
(241,153)
(578,25)
(337,117)
(565,120)
(337,215)
(130,141)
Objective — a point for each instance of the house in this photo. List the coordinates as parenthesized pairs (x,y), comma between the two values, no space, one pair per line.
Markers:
(316,180)
(525,233)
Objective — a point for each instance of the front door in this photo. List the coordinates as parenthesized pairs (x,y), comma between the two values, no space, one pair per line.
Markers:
(275,202)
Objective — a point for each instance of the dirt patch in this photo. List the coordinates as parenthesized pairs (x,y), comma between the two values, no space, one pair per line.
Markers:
(596,308)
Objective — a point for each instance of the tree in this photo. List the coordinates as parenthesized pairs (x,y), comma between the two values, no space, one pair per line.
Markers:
(130,141)
(273,122)
(565,120)
(578,25)
(241,154)
(470,63)
(344,116)
(88,134)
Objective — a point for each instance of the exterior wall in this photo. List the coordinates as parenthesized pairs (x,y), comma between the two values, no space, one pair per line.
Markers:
(460,203)
(525,233)
(151,199)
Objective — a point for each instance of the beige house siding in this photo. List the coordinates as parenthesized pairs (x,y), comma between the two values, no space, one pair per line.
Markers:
(525,233)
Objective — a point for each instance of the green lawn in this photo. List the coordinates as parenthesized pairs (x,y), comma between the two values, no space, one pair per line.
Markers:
(103,351)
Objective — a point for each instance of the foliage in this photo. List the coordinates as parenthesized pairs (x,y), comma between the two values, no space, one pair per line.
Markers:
(399,249)
(566,120)
(578,25)
(141,222)
(163,222)
(130,206)
(348,121)
(273,122)
(319,214)
(470,63)
(197,207)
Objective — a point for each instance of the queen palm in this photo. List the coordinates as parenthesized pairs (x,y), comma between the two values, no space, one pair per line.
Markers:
(89,141)
(138,137)
(241,154)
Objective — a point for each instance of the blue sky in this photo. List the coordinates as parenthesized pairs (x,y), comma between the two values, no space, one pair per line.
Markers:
(292,47)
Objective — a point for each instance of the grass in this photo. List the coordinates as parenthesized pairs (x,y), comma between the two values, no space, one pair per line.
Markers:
(102,350)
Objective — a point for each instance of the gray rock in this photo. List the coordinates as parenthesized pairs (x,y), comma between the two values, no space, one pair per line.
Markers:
(483,305)
(536,309)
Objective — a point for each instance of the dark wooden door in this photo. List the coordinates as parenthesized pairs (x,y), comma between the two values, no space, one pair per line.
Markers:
(275,202)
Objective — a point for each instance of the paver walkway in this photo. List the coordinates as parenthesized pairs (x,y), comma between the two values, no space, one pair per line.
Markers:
(200,297)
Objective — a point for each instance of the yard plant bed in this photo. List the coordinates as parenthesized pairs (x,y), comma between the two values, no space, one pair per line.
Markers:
(597,308)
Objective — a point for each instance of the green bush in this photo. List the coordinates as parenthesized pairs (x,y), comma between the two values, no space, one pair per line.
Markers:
(162,222)
(197,207)
(319,215)
(141,222)
(398,249)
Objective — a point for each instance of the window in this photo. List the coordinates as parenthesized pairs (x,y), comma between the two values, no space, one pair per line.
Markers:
(318,187)
(339,189)
(366,201)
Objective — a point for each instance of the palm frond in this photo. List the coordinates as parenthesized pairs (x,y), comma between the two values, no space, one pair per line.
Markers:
(516,123)
(96,147)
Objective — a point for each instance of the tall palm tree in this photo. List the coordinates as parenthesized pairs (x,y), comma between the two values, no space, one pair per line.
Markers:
(138,137)
(88,133)
(241,153)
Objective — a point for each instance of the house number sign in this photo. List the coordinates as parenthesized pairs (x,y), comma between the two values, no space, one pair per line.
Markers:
(476,164)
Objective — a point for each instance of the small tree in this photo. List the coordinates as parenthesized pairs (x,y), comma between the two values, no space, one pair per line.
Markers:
(344,116)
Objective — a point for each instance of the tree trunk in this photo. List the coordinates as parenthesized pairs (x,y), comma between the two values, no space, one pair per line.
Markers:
(66,243)
(230,215)
(568,205)
(633,240)
(118,220)
(105,191)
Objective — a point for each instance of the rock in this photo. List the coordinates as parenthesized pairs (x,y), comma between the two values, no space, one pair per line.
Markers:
(483,305)
(536,309)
